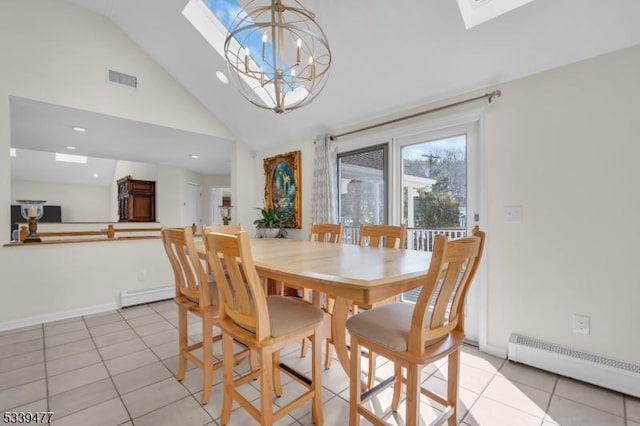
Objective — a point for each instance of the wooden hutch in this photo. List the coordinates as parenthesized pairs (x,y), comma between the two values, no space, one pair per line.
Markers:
(136,200)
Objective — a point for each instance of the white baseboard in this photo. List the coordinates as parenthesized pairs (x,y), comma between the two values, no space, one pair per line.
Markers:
(56,316)
(496,351)
(146,295)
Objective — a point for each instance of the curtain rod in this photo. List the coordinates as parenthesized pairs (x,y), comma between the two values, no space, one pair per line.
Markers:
(490,96)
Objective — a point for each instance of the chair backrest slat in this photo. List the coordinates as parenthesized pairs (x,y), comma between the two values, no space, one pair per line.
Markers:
(439,308)
(388,235)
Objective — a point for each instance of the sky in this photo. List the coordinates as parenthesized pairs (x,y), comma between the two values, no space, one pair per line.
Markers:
(417,151)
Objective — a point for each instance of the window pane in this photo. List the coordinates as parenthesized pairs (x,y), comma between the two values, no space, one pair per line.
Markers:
(362,189)
(434,193)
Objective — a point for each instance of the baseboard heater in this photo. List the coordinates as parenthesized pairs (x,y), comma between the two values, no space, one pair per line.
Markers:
(147,295)
(609,373)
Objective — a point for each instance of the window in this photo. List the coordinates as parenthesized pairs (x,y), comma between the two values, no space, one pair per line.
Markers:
(434,192)
(362,176)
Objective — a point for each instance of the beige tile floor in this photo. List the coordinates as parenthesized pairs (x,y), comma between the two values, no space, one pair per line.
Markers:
(117,368)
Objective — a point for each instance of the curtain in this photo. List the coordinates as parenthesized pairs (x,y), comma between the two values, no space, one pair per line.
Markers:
(325,184)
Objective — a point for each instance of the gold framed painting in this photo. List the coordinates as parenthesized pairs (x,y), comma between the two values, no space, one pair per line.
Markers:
(283,188)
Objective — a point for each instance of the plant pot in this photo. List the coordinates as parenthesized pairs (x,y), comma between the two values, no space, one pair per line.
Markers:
(268,232)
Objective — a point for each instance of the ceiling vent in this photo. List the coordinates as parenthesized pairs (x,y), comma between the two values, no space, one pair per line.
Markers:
(122,78)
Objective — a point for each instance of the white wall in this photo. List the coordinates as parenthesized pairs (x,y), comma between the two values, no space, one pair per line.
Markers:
(80,203)
(70,278)
(245,167)
(53,51)
(562,144)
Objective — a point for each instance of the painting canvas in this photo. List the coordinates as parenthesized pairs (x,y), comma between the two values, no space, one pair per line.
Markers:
(283,187)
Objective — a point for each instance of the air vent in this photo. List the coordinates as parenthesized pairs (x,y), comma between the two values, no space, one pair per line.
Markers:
(122,78)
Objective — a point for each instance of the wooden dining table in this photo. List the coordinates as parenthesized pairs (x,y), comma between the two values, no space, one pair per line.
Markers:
(349,273)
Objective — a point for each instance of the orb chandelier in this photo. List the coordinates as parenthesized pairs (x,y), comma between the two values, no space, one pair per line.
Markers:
(278,56)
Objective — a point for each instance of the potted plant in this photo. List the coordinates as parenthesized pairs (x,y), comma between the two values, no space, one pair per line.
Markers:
(269,225)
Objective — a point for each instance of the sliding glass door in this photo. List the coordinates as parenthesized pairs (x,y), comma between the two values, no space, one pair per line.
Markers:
(438,194)
(428,179)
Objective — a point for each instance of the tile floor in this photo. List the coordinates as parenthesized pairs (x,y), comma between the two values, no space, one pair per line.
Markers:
(117,368)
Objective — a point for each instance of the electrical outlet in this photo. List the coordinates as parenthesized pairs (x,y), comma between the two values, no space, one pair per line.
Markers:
(142,276)
(581,324)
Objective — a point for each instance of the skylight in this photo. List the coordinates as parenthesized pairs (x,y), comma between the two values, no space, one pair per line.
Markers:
(69,158)
(213,19)
(475,12)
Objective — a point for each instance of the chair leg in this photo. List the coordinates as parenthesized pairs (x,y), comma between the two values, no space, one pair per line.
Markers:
(397,387)
(372,370)
(413,394)
(355,384)
(207,358)
(182,342)
(253,360)
(452,385)
(275,367)
(327,354)
(266,400)
(316,374)
(306,295)
(227,377)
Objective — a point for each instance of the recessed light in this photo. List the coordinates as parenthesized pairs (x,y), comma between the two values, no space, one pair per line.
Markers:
(222,77)
(95,175)
(70,147)
(68,158)
(79,129)
(12,152)
(195,157)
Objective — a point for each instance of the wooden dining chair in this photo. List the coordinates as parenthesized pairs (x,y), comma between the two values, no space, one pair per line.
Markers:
(266,324)
(324,233)
(194,293)
(222,229)
(388,236)
(412,336)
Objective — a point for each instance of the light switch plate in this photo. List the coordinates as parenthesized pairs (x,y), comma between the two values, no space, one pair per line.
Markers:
(513,214)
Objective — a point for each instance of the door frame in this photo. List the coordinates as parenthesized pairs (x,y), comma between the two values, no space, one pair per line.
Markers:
(198,201)
(472,123)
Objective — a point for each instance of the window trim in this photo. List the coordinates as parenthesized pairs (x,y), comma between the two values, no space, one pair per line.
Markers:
(385,174)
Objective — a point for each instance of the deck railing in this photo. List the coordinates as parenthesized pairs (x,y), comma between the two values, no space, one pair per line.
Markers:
(417,238)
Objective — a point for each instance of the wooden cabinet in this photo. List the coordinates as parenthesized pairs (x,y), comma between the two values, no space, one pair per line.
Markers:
(136,200)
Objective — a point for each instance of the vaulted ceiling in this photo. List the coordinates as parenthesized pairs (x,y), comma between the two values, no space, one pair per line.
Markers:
(388,56)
